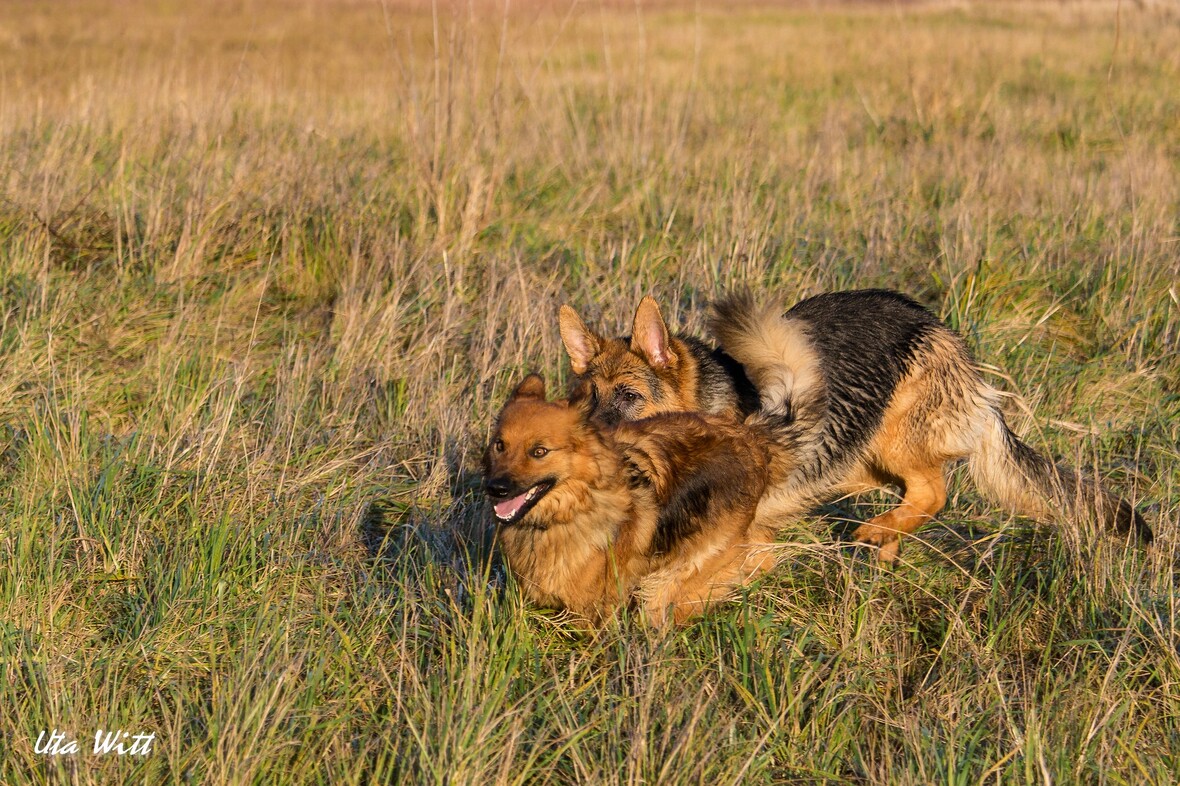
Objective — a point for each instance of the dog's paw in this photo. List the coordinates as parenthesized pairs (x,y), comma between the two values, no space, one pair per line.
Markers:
(884,538)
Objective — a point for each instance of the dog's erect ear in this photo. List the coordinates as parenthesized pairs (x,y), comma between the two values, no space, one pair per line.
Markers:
(581,343)
(531,386)
(649,335)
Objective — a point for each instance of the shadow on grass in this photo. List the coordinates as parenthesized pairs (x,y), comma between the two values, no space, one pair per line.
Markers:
(446,533)
(965,545)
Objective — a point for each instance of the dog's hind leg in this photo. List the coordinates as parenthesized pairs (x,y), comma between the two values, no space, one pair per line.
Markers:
(924,494)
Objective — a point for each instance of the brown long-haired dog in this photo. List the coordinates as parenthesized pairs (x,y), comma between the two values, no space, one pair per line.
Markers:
(881,394)
(658,512)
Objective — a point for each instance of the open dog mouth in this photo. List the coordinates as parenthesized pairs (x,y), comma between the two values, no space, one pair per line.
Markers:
(513,509)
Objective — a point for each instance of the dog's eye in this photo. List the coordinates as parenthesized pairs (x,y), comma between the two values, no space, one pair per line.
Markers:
(538,452)
(630,396)
(498,446)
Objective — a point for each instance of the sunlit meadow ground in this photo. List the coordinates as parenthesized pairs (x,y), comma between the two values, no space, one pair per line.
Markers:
(268,268)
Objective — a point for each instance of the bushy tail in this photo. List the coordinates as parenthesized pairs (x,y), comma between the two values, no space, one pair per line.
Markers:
(779,361)
(775,352)
(1024,481)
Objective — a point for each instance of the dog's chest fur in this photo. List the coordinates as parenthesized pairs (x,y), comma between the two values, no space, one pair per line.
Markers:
(586,557)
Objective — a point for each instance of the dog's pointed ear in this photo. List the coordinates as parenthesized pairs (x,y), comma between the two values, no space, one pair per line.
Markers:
(532,386)
(581,343)
(649,335)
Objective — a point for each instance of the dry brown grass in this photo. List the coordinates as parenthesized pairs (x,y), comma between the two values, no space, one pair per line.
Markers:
(268,267)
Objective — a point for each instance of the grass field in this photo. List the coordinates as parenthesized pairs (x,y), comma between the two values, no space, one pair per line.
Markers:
(268,268)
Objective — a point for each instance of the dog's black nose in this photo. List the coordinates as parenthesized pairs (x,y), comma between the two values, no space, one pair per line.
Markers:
(497,487)
(607,416)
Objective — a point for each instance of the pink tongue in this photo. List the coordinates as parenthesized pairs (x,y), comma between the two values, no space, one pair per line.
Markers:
(509,507)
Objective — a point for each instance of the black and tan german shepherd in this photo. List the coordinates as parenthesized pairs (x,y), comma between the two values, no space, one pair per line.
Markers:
(880,393)
(651,371)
